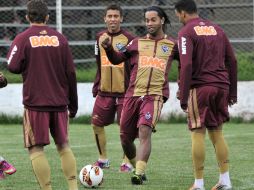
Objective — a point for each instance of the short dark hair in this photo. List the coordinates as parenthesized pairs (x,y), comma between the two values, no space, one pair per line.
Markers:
(188,6)
(161,13)
(37,10)
(114,7)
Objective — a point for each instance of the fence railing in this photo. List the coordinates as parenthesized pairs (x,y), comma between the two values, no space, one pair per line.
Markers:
(81,23)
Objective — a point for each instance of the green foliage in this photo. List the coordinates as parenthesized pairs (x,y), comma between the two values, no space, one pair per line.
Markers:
(86,73)
(86,119)
(7,119)
(169,166)
(245,66)
(173,74)
(12,78)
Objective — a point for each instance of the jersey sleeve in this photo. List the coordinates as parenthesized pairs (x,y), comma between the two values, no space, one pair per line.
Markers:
(185,53)
(16,56)
(72,81)
(231,65)
(98,72)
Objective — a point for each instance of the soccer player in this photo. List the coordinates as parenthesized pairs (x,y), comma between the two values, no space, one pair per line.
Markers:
(150,57)
(110,84)
(208,85)
(5,167)
(43,57)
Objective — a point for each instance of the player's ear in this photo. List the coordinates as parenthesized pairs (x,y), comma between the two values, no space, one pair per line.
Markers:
(27,18)
(47,18)
(121,19)
(162,20)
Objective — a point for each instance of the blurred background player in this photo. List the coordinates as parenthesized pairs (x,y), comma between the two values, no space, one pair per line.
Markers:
(5,167)
(150,57)
(43,57)
(110,84)
(208,85)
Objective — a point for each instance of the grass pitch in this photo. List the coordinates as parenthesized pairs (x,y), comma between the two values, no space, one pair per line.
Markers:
(169,167)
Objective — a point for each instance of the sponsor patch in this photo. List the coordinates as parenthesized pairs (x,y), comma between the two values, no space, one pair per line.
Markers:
(205,31)
(44,41)
(146,61)
(183,43)
(148,116)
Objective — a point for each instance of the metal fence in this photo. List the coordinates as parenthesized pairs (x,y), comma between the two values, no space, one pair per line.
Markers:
(80,20)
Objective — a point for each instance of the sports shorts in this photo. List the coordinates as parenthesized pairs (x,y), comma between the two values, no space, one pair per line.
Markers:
(207,107)
(37,125)
(137,111)
(105,109)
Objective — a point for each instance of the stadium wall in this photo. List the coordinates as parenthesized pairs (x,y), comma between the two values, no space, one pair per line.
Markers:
(11,101)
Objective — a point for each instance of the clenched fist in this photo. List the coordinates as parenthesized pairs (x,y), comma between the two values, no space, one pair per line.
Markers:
(106,40)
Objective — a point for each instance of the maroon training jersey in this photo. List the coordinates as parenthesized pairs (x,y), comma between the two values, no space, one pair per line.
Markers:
(151,61)
(111,80)
(206,58)
(43,57)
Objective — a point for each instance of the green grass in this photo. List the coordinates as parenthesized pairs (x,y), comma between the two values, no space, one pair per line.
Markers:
(169,168)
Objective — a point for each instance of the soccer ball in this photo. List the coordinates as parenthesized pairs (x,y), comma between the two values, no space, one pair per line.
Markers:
(91,176)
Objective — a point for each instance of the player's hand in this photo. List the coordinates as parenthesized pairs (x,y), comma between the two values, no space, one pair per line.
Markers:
(178,94)
(1,77)
(185,110)
(106,40)
(71,115)
(231,102)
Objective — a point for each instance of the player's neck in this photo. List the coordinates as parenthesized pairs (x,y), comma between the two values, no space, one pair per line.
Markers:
(157,36)
(191,16)
(114,31)
(37,24)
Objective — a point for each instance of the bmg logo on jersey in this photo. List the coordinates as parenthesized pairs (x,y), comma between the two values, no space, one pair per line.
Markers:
(106,63)
(205,30)
(44,41)
(146,61)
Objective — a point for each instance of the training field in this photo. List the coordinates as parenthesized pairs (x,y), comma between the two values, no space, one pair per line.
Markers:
(169,168)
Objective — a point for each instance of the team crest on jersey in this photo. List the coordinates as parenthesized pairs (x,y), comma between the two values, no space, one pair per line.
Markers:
(148,116)
(43,32)
(165,48)
(119,46)
(202,23)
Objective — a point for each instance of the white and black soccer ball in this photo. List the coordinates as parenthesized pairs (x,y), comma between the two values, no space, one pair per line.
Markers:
(91,176)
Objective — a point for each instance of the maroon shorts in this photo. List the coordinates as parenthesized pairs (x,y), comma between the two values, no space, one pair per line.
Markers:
(207,107)
(105,109)
(36,126)
(138,111)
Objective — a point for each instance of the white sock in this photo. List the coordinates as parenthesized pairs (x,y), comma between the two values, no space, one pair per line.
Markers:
(199,183)
(224,179)
(103,160)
